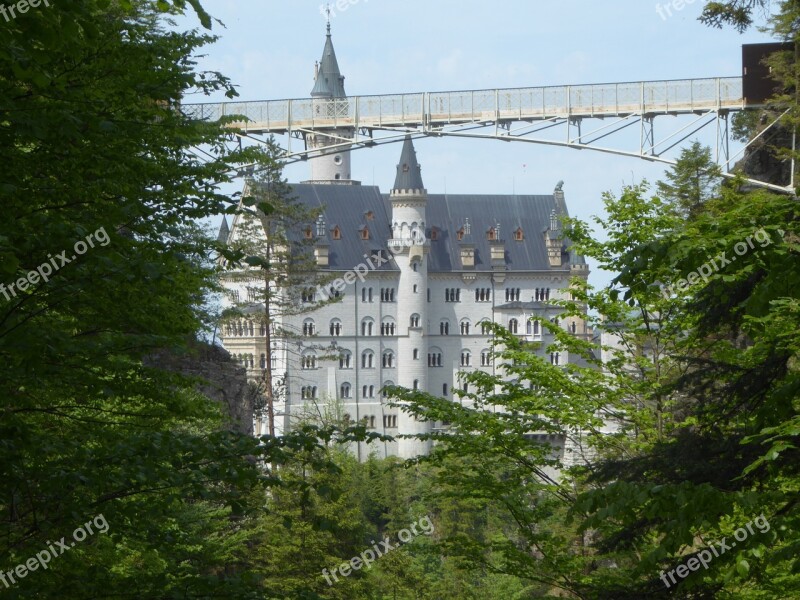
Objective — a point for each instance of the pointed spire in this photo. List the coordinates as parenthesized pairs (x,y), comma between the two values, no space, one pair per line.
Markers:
(329,82)
(224,231)
(409,173)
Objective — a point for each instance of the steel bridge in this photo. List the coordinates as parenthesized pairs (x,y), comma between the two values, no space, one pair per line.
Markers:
(589,116)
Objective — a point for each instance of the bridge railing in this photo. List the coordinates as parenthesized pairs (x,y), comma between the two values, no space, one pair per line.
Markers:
(440,108)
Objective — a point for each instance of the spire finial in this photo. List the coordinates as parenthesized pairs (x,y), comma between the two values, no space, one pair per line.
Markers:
(328,12)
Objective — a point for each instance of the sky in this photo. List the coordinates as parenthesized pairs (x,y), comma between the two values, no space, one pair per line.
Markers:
(268,49)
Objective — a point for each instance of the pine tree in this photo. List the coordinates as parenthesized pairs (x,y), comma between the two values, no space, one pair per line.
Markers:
(273,259)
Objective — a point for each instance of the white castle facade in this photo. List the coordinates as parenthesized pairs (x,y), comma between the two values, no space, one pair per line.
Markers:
(419,277)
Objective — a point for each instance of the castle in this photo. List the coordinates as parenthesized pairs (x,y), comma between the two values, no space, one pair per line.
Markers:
(419,277)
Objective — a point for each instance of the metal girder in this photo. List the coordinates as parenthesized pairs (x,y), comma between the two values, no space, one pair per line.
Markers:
(531,115)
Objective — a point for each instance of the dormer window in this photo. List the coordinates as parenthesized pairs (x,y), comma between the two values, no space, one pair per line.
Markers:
(364,233)
(405,168)
(337,233)
(434,234)
(308,233)
(369,216)
(460,234)
(519,235)
(491,235)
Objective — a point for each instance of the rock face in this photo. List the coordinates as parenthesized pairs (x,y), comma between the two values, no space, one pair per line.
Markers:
(223,380)
(760,161)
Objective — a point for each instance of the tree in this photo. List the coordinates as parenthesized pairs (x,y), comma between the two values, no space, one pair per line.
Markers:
(272,259)
(695,180)
(736,13)
(102,270)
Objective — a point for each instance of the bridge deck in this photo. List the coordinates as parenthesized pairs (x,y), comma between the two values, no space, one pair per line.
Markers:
(438,109)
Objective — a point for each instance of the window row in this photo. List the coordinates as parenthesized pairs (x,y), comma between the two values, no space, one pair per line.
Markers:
(248,360)
(346,391)
(367,360)
(389,327)
(435,358)
(244,328)
(369,421)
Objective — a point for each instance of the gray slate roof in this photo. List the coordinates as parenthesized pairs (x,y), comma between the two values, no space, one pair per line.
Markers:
(224,230)
(409,173)
(329,82)
(348,207)
(449,213)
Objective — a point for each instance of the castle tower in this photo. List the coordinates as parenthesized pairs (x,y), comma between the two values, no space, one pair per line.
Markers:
(410,247)
(330,108)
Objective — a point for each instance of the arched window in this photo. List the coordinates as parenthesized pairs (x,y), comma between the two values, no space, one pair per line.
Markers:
(513,326)
(345,359)
(366,327)
(263,363)
(415,354)
(444,327)
(250,327)
(336,328)
(486,327)
(345,390)
(486,358)
(435,357)
(388,326)
(388,360)
(416,384)
(466,358)
(308,327)
(465,326)
(574,327)
(367,359)
(263,329)
(414,320)
(308,362)
(384,391)
(555,358)
(537,328)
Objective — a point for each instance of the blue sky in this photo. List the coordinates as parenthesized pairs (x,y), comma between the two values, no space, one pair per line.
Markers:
(268,49)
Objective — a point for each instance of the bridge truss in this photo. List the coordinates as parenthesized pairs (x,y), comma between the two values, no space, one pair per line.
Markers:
(616,118)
